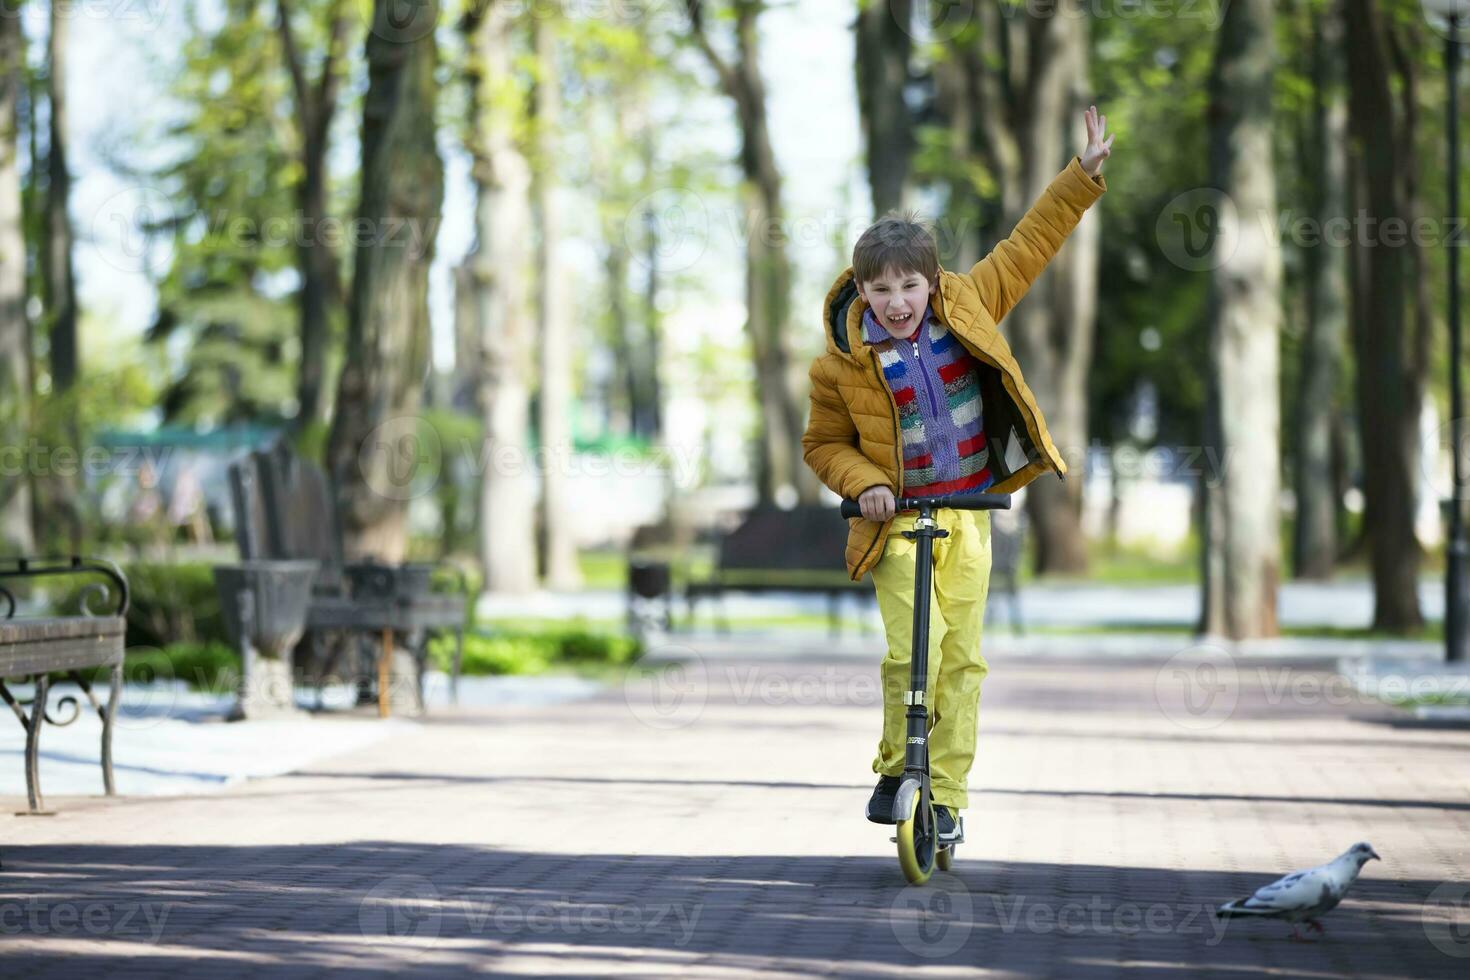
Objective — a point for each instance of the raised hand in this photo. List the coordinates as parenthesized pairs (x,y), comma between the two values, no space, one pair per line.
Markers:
(1097,149)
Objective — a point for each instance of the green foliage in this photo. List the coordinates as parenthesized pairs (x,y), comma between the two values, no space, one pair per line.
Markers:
(168,604)
(493,655)
(1114,564)
(603,569)
(225,299)
(1151,77)
(455,430)
(631,146)
(174,604)
(121,386)
(310,441)
(1438,699)
(212,667)
(576,645)
(532,650)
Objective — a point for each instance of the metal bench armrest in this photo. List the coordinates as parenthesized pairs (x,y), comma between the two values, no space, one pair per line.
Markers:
(15,568)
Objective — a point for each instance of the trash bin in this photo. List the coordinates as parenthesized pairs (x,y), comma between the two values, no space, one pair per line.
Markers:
(264,605)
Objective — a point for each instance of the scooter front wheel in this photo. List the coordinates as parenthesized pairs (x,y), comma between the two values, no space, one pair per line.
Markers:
(917,837)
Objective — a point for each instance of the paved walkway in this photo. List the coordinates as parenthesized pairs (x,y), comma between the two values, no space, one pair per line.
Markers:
(705,821)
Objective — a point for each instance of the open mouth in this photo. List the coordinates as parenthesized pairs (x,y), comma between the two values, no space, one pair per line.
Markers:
(900,320)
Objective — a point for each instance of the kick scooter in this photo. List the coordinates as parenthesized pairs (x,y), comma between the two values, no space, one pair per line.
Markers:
(919,849)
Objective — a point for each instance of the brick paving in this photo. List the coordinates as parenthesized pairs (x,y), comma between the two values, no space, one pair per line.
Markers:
(706,823)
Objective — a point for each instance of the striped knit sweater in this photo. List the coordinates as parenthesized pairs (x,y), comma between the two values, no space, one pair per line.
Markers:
(936,385)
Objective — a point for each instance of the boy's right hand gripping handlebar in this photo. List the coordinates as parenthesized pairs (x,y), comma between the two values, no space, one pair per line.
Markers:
(962,501)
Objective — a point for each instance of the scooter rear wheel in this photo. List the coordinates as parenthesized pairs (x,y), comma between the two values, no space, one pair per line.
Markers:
(917,837)
(944,860)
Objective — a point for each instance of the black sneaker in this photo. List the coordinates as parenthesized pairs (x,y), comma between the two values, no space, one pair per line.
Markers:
(880,804)
(949,828)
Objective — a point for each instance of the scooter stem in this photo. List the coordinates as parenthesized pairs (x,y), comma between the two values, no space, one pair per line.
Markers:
(916,748)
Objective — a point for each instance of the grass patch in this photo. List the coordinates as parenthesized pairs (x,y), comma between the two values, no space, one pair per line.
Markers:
(1432,631)
(1429,631)
(499,650)
(800,621)
(1109,563)
(1155,629)
(1439,699)
(541,624)
(210,667)
(1131,567)
(603,569)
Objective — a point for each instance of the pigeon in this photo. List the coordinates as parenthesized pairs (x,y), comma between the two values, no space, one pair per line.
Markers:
(1304,896)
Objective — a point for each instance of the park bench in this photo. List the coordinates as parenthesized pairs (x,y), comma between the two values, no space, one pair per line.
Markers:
(771,550)
(655,551)
(34,648)
(284,510)
(798,550)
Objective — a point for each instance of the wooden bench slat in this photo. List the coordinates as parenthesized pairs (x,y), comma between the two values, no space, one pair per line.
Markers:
(59,628)
(53,656)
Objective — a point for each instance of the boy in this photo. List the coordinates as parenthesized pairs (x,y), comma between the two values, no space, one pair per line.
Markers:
(918,394)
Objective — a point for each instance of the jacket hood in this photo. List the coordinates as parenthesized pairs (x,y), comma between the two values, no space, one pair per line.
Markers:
(836,312)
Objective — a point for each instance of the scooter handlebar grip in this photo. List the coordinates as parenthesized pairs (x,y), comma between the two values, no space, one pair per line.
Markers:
(960,501)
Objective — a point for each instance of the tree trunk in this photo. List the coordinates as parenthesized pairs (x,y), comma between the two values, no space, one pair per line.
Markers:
(374,436)
(464,395)
(1387,403)
(501,261)
(1243,562)
(558,538)
(58,494)
(1010,94)
(624,381)
(1314,543)
(32,221)
(632,398)
(1056,505)
(884,40)
(767,291)
(1343,458)
(626,394)
(780,469)
(15,379)
(1051,330)
(964,95)
(1421,327)
(316,105)
(61,288)
(649,414)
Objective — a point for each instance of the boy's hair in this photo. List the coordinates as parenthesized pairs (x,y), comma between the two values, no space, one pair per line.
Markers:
(899,242)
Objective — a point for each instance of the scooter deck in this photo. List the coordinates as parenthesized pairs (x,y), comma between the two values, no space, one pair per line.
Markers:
(959,839)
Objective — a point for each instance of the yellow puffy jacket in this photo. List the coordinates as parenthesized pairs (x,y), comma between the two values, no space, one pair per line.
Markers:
(852,441)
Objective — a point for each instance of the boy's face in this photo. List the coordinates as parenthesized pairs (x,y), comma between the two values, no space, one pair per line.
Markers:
(898,300)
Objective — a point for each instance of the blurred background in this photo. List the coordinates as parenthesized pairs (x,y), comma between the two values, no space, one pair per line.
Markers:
(537,285)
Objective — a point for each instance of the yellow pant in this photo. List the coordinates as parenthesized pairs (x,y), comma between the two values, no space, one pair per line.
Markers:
(961,582)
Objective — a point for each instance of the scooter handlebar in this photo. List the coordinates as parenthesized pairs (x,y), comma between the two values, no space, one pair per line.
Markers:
(962,501)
